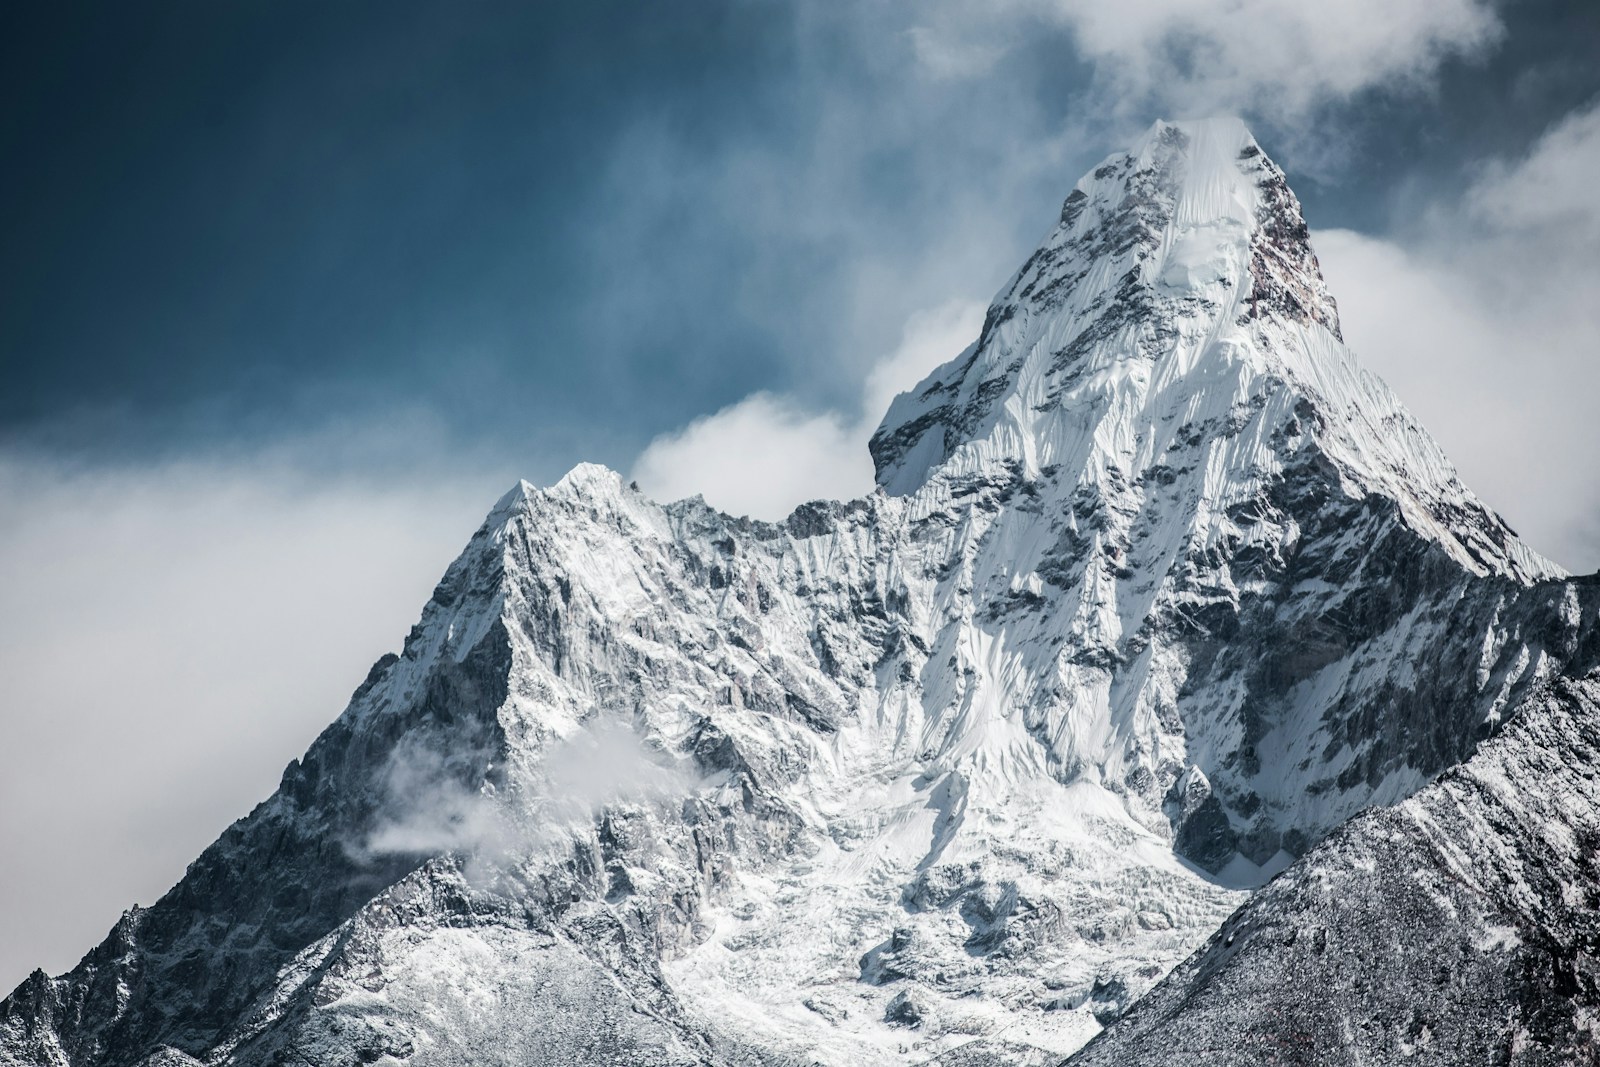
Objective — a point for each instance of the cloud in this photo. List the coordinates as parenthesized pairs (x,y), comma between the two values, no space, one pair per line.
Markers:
(604,764)
(174,633)
(946,55)
(1282,56)
(430,811)
(1482,318)
(1278,58)
(929,339)
(766,454)
(759,457)
(1550,190)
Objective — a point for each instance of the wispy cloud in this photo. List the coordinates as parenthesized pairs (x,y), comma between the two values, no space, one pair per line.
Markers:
(1280,59)
(1548,194)
(431,811)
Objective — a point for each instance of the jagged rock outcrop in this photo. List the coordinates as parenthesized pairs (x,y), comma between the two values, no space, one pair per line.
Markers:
(1158,588)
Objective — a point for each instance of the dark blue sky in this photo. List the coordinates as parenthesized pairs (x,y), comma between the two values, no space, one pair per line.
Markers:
(554,231)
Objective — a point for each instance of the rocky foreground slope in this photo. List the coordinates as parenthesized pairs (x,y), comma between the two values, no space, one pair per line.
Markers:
(1462,926)
(1158,589)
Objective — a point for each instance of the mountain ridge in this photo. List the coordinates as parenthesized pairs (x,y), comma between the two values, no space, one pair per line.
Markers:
(1157,590)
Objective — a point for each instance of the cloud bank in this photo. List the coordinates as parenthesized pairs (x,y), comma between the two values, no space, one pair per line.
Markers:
(766,454)
(1481,316)
(174,634)
(1282,59)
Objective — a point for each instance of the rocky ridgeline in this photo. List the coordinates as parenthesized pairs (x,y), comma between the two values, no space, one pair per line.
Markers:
(1461,926)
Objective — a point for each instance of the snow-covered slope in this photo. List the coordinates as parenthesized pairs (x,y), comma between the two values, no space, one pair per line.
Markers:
(1158,588)
(1460,927)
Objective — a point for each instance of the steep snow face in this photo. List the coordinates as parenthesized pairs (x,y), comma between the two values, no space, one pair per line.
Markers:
(1459,927)
(1177,293)
(1159,588)
(1167,446)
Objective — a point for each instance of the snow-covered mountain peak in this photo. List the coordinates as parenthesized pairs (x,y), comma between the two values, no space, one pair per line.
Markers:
(589,479)
(1198,162)
(1159,587)
(1231,213)
(1176,319)
(1163,259)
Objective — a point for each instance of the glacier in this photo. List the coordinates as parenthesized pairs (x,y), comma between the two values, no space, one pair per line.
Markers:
(1157,591)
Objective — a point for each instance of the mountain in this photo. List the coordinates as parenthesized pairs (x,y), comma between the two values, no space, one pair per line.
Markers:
(1461,926)
(1158,588)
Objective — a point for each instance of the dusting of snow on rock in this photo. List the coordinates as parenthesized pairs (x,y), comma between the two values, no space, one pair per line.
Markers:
(1458,927)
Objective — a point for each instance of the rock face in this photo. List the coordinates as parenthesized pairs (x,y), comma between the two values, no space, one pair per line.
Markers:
(1158,589)
(1462,926)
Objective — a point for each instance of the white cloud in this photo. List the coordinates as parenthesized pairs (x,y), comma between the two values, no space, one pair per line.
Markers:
(945,55)
(601,766)
(1484,322)
(765,455)
(928,339)
(1552,189)
(759,457)
(1284,56)
(1279,58)
(174,634)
